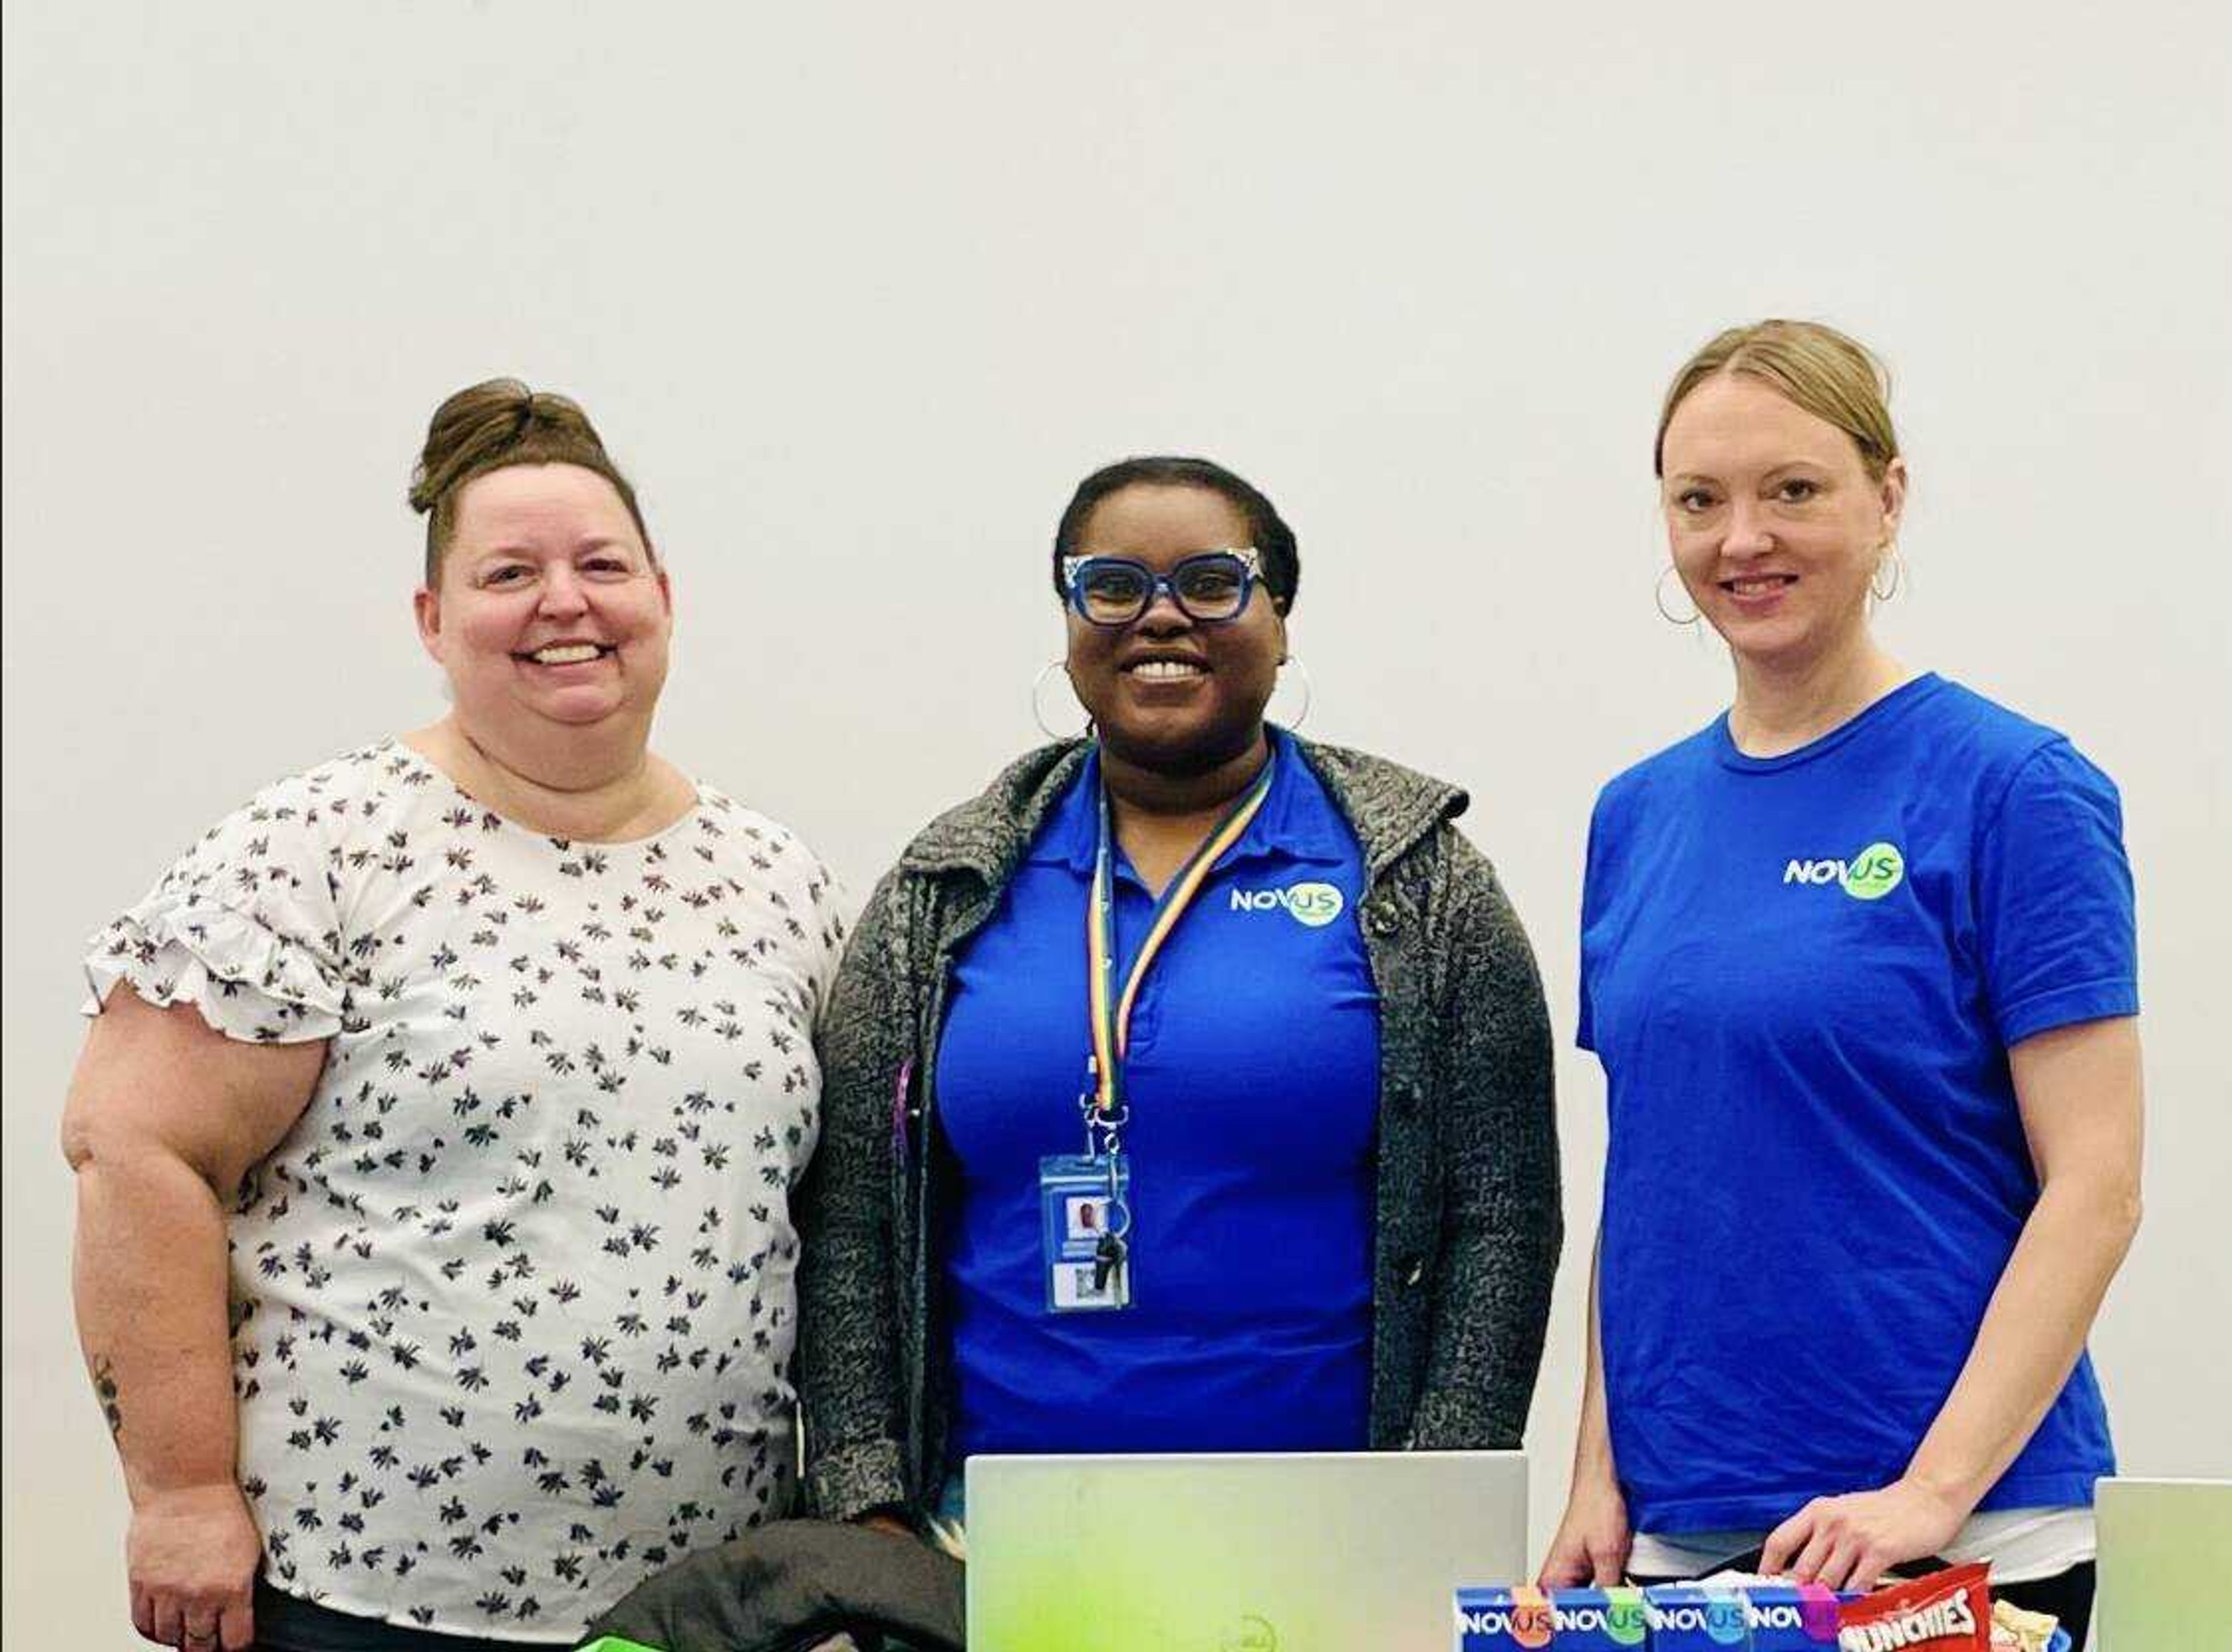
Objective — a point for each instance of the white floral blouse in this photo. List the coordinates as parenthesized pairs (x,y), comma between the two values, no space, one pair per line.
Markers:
(512,1303)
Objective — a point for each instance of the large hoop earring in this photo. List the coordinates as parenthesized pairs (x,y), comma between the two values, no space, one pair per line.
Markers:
(1658,597)
(1309,693)
(1038,717)
(1891,558)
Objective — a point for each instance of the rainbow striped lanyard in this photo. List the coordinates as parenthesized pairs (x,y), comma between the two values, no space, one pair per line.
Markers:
(1103,1103)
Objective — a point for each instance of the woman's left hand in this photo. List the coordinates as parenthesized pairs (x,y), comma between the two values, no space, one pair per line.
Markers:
(1848,1542)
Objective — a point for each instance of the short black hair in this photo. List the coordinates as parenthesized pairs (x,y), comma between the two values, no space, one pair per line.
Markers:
(1273,540)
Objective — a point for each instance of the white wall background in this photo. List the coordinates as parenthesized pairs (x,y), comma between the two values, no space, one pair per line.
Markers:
(859,293)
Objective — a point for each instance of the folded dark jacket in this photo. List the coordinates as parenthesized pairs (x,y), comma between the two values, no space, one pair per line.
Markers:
(788,1586)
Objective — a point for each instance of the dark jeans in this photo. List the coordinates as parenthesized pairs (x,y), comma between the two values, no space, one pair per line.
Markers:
(2067,1595)
(287,1623)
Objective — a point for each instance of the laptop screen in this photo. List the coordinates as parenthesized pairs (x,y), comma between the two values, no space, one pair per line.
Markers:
(1237,1553)
(2164,1545)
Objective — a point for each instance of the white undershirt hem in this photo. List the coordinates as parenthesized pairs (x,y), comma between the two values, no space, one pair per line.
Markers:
(2023,1545)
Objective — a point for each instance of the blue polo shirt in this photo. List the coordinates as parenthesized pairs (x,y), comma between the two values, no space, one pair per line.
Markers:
(1253,1082)
(1802,974)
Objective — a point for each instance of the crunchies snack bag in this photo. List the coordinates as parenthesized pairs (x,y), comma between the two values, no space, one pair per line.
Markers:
(1503,1620)
(1597,1619)
(1696,1617)
(1947,1612)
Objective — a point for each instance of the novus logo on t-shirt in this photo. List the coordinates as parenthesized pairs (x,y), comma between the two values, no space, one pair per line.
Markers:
(1868,876)
(1315,904)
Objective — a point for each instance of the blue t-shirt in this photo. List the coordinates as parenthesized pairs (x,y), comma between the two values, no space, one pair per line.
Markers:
(1254,1083)
(1802,974)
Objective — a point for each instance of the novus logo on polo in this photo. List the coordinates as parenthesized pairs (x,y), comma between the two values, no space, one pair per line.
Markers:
(1314,904)
(1868,876)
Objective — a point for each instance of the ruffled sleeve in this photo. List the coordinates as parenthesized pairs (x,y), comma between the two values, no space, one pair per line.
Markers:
(242,927)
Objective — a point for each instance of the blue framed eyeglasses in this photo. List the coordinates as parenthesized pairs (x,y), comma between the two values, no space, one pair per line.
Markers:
(1209,588)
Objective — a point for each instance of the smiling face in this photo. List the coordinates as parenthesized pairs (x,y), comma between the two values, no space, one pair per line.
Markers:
(551,618)
(1775,523)
(1168,693)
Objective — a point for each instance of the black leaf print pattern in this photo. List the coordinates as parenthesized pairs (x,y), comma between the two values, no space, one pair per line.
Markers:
(512,1306)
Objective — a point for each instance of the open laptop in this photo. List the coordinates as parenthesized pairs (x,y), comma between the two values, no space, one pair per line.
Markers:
(1279,1552)
(2164,1548)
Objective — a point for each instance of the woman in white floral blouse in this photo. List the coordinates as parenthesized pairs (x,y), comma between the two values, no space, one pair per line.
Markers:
(434,1251)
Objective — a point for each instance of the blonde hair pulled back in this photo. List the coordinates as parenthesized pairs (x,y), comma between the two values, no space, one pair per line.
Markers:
(491,426)
(1835,378)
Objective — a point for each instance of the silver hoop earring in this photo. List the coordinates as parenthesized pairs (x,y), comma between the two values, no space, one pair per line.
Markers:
(1658,596)
(1309,693)
(1891,558)
(1038,717)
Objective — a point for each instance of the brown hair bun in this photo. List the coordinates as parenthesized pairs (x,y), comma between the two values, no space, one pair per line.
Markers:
(491,426)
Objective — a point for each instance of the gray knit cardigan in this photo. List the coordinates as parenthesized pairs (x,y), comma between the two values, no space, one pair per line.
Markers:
(1467,1212)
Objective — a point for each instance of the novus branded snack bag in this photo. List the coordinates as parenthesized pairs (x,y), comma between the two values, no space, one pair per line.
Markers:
(1790,1617)
(1498,1620)
(1596,1620)
(1947,1612)
(1694,1617)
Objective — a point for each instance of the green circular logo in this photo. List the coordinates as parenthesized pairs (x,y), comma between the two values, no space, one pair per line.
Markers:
(1874,872)
(1313,904)
(1624,1621)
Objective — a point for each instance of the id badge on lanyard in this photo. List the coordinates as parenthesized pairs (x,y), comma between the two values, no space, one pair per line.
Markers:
(1085,1221)
(1084,1199)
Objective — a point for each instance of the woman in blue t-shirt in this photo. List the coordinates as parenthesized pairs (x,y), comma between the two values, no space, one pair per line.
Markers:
(1858,962)
(1289,1183)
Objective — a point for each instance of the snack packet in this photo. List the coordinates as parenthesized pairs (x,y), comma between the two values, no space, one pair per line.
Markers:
(2016,1631)
(1596,1620)
(1790,1617)
(1784,1615)
(1503,1620)
(1947,1612)
(1694,1617)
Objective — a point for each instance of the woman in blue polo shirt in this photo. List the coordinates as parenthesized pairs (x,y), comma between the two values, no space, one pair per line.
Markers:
(1189,1089)
(1858,962)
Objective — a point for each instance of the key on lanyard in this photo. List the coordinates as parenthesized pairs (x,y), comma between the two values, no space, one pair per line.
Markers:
(1107,1257)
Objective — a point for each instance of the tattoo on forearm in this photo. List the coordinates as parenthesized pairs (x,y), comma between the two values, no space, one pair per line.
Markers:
(104,1387)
